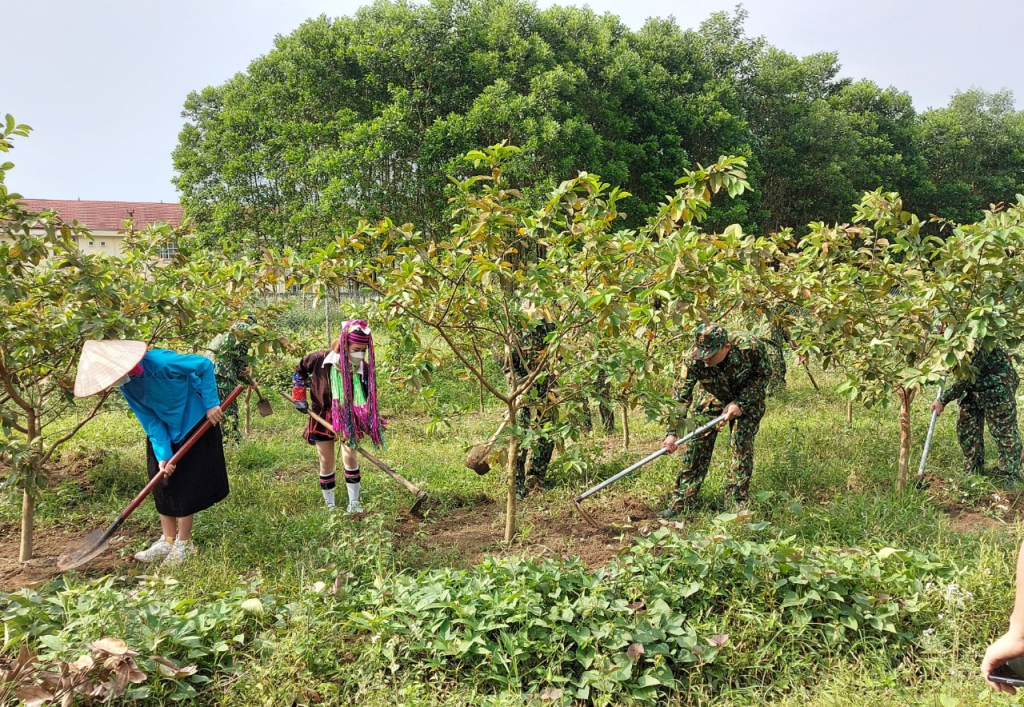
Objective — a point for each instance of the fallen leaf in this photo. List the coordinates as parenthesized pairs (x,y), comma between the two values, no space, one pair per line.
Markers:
(33,695)
(83,664)
(635,650)
(550,694)
(114,646)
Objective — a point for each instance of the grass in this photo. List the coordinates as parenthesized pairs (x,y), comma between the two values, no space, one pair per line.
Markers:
(816,479)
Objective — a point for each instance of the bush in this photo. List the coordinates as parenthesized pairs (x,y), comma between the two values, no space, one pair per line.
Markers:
(656,622)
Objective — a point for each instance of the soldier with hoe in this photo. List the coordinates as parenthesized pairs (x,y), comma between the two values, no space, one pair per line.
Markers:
(989,396)
(733,371)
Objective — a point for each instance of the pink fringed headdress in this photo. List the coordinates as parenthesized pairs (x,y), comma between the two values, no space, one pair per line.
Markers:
(356,420)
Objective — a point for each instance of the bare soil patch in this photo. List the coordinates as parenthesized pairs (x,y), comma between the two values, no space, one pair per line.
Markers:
(474,530)
(49,544)
(994,511)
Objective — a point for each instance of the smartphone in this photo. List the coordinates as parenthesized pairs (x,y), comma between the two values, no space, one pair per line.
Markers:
(1009,673)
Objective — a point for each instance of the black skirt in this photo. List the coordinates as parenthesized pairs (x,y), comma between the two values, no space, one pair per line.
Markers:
(199,480)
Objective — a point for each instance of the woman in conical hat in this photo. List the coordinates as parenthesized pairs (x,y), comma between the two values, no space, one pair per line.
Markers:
(171,394)
(342,383)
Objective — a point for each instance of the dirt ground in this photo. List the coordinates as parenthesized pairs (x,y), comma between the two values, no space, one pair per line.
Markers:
(49,543)
(996,511)
(48,546)
(475,528)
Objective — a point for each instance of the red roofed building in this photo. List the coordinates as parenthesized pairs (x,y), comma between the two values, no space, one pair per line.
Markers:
(105,219)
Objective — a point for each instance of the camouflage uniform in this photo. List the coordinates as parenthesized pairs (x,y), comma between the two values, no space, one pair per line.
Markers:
(230,355)
(742,377)
(990,396)
(535,412)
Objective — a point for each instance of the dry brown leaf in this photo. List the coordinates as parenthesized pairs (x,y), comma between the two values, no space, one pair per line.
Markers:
(718,640)
(113,646)
(550,694)
(33,695)
(635,650)
(83,664)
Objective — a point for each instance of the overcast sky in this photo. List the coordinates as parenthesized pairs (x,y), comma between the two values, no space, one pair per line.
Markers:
(102,82)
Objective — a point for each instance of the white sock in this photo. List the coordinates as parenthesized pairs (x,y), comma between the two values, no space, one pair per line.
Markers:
(327,488)
(352,479)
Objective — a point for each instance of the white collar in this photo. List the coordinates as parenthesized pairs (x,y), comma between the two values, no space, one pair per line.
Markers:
(333,358)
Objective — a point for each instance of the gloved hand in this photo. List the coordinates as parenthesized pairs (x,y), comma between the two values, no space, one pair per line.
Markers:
(302,406)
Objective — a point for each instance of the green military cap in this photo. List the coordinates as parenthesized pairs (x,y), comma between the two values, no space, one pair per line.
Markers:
(708,339)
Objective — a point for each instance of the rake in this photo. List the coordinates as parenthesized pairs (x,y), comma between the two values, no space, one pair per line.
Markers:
(628,470)
(99,540)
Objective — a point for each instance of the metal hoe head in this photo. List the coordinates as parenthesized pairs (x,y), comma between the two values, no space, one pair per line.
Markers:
(586,516)
(93,544)
(420,498)
(263,406)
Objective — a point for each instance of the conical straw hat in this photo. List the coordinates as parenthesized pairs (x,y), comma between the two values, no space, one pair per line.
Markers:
(104,362)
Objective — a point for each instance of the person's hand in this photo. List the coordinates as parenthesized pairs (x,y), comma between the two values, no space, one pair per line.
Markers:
(302,406)
(1007,647)
(670,444)
(801,359)
(167,468)
(215,415)
(731,412)
(938,407)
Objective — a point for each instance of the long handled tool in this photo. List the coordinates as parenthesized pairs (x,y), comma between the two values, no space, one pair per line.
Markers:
(928,440)
(646,460)
(97,541)
(477,458)
(421,495)
(262,404)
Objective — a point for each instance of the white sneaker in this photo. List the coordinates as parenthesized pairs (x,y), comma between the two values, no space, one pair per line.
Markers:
(155,552)
(354,508)
(179,551)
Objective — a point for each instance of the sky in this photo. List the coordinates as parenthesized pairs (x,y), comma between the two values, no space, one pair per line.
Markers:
(102,83)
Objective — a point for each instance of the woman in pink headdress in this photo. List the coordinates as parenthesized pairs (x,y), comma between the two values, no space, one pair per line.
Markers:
(342,385)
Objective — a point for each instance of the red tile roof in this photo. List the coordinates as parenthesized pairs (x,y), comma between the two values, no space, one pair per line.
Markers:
(107,215)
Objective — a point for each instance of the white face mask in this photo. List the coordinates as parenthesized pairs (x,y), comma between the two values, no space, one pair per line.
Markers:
(120,381)
(357,356)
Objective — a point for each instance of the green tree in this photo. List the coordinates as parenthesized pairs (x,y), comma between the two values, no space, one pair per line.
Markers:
(506,267)
(974,148)
(895,308)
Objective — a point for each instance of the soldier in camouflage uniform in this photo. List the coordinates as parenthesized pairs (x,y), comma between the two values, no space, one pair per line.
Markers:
(232,365)
(990,395)
(733,371)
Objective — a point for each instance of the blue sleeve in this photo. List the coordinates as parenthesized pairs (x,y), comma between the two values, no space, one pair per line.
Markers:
(198,371)
(156,430)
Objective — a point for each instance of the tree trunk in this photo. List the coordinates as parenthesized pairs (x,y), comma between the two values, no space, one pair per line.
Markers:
(28,503)
(510,503)
(849,412)
(625,427)
(28,514)
(906,397)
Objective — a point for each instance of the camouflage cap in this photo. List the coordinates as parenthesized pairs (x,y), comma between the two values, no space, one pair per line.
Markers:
(708,339)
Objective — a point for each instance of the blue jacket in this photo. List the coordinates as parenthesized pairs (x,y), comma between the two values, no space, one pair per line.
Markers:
(171,396)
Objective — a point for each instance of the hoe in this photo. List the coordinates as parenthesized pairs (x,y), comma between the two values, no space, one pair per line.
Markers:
(646,460)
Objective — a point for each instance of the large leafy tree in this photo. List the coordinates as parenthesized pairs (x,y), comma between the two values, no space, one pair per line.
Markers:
(974,148)
(365,116)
